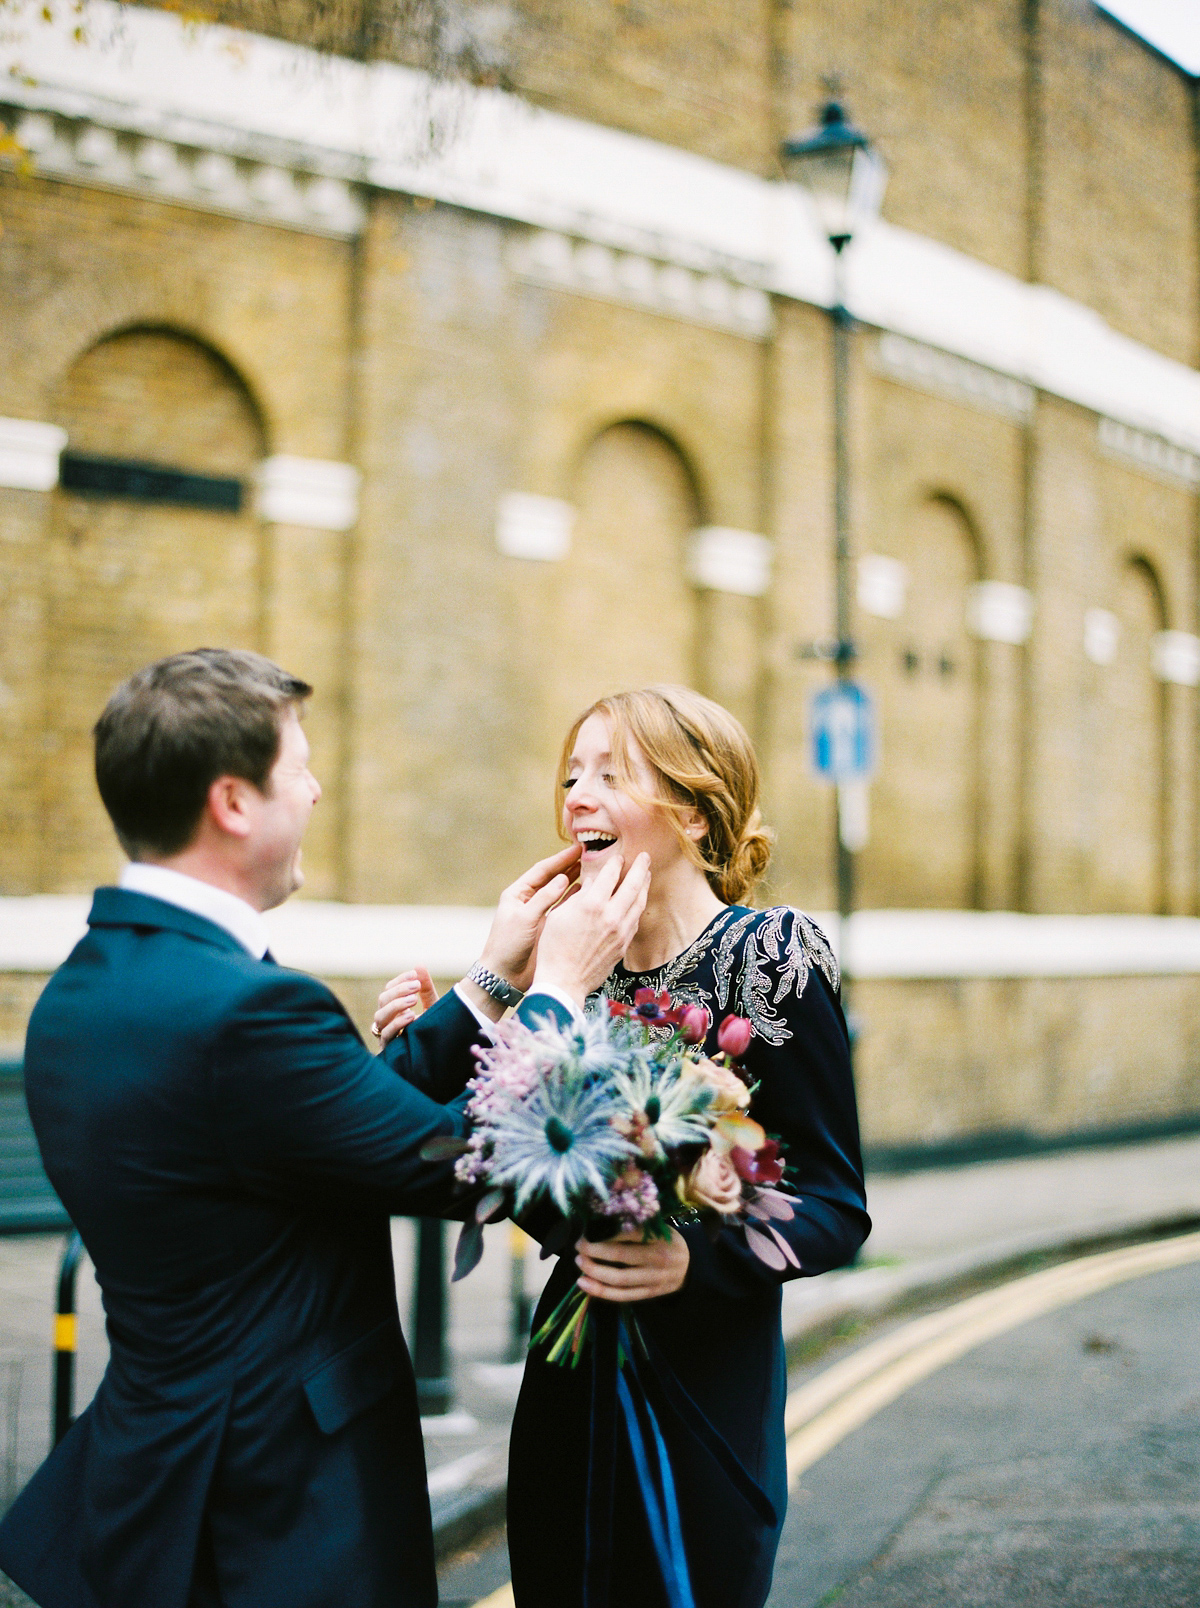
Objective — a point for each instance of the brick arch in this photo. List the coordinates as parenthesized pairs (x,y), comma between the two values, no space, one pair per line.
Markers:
(128,581)
(622,593)
(671,438)
(959,508)
(89,309)
(925,670)
(1145,571)
(1128,751)
(159,391)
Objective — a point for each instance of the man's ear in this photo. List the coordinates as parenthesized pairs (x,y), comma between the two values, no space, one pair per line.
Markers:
(228,805)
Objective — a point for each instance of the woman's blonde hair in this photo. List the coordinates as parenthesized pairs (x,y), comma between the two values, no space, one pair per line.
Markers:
(703,761)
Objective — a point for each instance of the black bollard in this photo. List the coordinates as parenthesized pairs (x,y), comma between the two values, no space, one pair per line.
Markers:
(66,1327)
(429,1318)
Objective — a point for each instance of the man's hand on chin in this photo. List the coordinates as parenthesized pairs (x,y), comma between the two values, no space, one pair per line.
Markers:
(587,934)
(517,925)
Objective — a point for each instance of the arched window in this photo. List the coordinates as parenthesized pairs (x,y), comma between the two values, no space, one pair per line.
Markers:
(625,608)
(922,665)
(139,567)
(1129,753)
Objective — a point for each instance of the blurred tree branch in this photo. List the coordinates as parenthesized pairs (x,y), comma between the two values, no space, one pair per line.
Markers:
(472,41)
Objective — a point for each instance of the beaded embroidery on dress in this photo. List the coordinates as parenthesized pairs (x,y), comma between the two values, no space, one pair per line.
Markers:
(746,961)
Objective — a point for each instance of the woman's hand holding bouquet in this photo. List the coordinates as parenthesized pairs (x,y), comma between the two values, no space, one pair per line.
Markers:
(629,1129)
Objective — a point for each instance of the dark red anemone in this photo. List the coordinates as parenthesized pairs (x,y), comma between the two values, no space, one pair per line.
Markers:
(761,1166)
(657,1008)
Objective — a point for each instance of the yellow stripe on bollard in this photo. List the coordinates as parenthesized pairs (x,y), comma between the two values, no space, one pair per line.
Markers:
(66,1329)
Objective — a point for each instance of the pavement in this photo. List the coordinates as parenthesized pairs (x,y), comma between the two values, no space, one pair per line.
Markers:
(935,1231)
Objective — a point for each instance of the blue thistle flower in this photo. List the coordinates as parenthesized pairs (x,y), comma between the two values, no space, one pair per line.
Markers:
(560,1139)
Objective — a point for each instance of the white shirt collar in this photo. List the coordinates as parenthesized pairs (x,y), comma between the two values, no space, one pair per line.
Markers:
(241,920)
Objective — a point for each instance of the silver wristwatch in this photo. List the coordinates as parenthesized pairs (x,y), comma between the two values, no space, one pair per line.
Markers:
(498,988)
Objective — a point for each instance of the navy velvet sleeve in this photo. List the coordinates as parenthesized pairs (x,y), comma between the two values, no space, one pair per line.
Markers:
(428,1053)
(805,1097)
(307,1113)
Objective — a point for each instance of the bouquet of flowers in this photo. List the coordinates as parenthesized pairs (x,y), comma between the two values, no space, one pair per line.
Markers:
(624,1124)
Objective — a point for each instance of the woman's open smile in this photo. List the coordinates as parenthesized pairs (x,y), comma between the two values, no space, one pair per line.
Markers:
(594,842)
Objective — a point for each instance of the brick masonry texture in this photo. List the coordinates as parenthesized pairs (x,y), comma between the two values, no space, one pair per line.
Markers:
(1032,134)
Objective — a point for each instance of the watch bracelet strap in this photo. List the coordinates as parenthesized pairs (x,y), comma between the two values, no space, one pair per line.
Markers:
(498,988)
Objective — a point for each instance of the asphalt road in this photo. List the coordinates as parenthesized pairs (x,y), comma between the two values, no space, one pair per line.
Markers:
(1057,1464)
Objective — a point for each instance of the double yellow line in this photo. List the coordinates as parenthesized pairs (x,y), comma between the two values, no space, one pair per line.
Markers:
(839,1400)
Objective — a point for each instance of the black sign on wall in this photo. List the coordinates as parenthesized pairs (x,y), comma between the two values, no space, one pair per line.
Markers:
(148,482)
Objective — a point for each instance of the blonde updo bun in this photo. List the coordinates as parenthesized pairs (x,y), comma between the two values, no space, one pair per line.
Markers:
(735,881)
(703,761)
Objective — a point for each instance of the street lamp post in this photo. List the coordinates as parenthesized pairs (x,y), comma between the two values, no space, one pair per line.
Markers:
(843,179)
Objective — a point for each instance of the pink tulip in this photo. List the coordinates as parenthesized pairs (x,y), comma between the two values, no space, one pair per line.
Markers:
(734,1035)
(694,1023)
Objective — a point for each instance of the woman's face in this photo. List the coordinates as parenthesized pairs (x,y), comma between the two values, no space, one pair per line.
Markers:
(605,820)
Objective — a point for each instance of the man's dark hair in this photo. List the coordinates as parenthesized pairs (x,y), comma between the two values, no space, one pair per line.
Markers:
(168,732)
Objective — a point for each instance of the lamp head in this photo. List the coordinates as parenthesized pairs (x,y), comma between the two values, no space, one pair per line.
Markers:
(839,171)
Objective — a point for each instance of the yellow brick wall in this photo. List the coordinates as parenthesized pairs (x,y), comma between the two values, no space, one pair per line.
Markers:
(941,86)
(148,331)
(446,672)
(1119,223)
(1109,808)
(1035,135)
(939,1060)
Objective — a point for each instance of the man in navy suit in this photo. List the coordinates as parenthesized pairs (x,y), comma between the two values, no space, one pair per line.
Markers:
(230,1153)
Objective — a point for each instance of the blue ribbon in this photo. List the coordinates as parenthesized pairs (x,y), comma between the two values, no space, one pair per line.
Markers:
(657,1486)
(620,1351)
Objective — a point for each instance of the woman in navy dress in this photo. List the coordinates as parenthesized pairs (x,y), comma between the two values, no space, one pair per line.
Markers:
(669,772)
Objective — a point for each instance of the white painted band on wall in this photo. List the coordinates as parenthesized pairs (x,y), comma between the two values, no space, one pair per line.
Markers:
(997,611)
(376,941)
(1175,656)
(1101,635)
(314,492)
(547,257)
(78,149)
(725,560)
(29,454)
(882,586)
(1000,943)
(534,527)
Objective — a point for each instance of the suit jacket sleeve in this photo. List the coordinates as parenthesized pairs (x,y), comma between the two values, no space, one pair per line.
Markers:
(427,1054)
(307,1113)
(805,1097)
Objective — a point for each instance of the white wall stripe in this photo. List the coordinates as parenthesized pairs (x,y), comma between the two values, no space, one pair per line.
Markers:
(258,100)
(337,940)
(29,453)
(314,492)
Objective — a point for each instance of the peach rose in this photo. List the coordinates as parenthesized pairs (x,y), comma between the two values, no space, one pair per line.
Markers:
(713,1182)
(729,1092)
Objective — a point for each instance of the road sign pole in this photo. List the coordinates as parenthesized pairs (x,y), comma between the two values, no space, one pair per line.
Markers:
(843,857)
